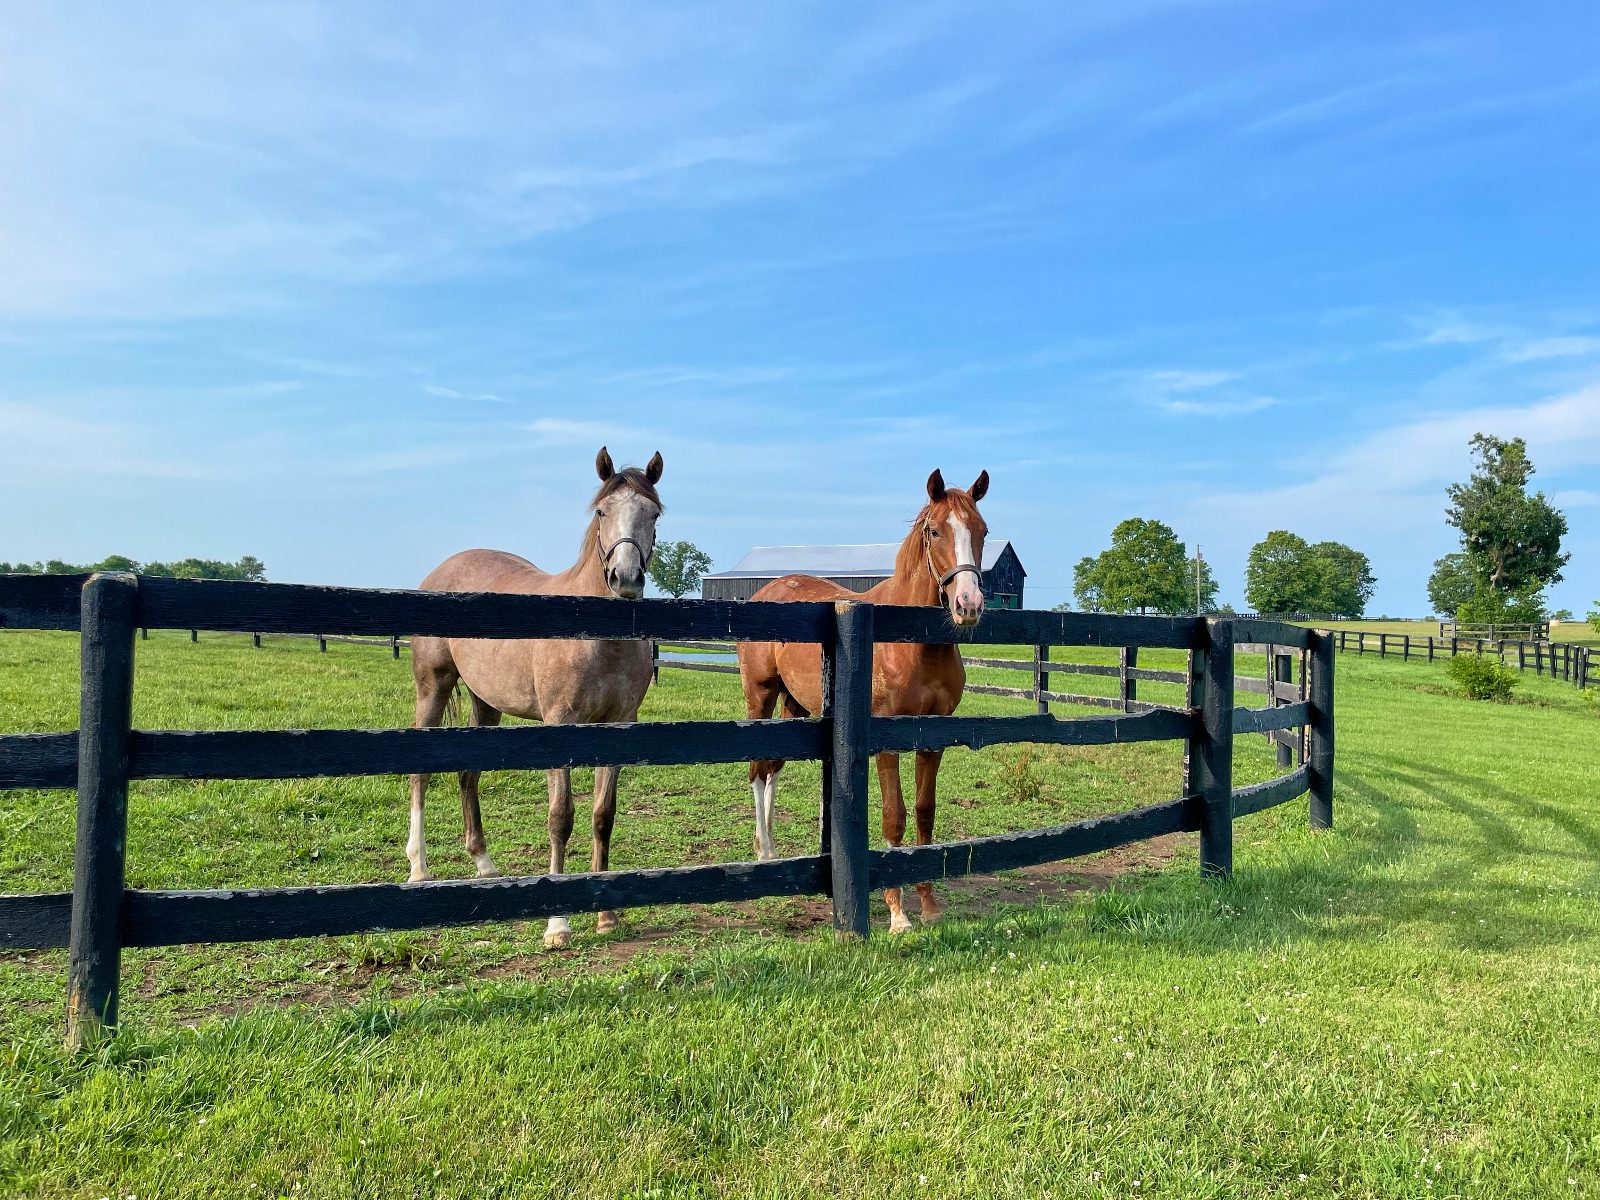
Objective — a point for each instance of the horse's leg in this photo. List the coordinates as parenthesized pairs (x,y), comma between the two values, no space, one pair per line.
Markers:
(557,932)
(894,830)
(471,818)
(434,685)
(605,815)
(927,778)
(760,701)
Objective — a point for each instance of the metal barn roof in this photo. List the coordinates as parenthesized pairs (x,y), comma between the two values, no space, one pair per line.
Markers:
(769,562)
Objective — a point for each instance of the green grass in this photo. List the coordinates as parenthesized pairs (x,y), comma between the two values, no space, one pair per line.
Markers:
(1404,1006)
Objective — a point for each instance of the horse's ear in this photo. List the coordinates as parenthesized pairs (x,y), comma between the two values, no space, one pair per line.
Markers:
(652,469)
(980,487)
(936,486)
(602,465)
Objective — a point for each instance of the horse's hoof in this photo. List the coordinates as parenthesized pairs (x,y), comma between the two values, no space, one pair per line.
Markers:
(899,923)
(487,870)
(419,877)
(558,939)
(606,922)
(932,917)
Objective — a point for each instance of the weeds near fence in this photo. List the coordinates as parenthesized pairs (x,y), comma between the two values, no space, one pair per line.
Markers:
(1482,679)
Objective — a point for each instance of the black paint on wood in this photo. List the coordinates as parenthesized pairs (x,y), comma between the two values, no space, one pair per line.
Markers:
(1263,720)
(1010,627)
(940,733)
(42,921)
(1283,677)
(1131,674)
(1258,796)
(40,601)
(902,865)
(851,706)
(253,915)
(39,760)
(109,618)
(1211,749)
(1320,759)
(294,608)
(307,753)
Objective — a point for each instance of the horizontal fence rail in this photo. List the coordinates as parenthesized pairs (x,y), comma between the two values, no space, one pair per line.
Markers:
(99,916)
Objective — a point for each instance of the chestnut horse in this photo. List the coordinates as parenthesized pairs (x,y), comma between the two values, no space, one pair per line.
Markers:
(940,562)
(559,682)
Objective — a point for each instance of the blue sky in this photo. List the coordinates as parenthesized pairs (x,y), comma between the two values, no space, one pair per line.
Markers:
(353,287)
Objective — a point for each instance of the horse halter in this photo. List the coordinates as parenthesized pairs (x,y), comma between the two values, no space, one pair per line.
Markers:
(944,580)
(644,559)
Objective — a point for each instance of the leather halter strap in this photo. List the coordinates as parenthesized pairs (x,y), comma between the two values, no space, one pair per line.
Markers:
(944,580)
(644,559)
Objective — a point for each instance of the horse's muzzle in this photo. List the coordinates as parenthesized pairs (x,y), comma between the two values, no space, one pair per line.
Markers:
(625,587)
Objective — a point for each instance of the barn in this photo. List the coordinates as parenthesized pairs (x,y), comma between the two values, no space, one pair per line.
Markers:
(854,567)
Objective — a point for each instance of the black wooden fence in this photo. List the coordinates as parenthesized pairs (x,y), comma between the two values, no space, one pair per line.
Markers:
(100,915)
(1570,662)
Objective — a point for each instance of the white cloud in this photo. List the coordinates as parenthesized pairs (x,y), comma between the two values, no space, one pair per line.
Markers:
(1576,498)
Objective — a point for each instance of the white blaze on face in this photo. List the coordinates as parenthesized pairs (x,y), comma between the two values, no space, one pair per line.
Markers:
(967,599)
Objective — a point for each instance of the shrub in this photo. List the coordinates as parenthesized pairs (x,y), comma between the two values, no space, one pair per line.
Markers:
(1481,678)
(1594,616)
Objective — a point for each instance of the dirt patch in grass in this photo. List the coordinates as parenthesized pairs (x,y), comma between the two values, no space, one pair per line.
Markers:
(335,976)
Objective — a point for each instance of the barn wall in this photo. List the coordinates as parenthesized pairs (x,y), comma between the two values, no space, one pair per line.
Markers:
(745,588)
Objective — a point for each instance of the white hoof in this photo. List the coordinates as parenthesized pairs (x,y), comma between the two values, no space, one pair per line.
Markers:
(417,876)
(557,934)
(899,922)
(486,867)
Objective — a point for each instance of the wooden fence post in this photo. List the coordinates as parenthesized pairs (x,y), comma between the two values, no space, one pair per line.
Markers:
(1041,678)
(1210,768)
(1321,760)
(851,705)
(1130,686)
(94,958)
(255,639)
(194,635)
(655,661)
(1282,672)
(322,643)
(1383,645)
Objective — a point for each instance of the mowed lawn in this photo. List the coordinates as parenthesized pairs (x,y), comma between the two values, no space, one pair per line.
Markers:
(1404,1006)
(1577,632)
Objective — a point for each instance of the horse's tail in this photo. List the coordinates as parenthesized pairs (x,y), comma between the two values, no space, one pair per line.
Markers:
(452,706)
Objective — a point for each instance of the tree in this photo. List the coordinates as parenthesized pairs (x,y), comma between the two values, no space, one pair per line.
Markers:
(1086,586)
(1344,580)
(677,567)
(1146,567)
(1594,617)
(1277,577)
(1512,539)
(1452,583)
(249,567)
(1287,574)
(1561,614)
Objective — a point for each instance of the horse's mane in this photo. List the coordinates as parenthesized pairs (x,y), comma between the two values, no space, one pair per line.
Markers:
(628,479)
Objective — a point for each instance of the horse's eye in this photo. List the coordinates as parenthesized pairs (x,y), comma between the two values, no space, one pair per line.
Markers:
(934,532)
(602,513)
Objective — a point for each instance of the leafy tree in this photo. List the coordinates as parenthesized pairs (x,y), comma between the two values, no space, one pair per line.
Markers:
(1086,586)
(1345,581)
(1277,577)
(677,567)
(249,567)
(1561,614)
(1452,583)
(1286,574)
(1146,567)
(1064,606)
(1594,617)
(1512,539)
(1489,607)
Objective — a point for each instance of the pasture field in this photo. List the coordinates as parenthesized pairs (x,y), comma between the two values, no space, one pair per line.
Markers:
(1403,1006)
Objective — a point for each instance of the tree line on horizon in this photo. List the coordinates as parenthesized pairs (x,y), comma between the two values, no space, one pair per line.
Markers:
(247,568)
